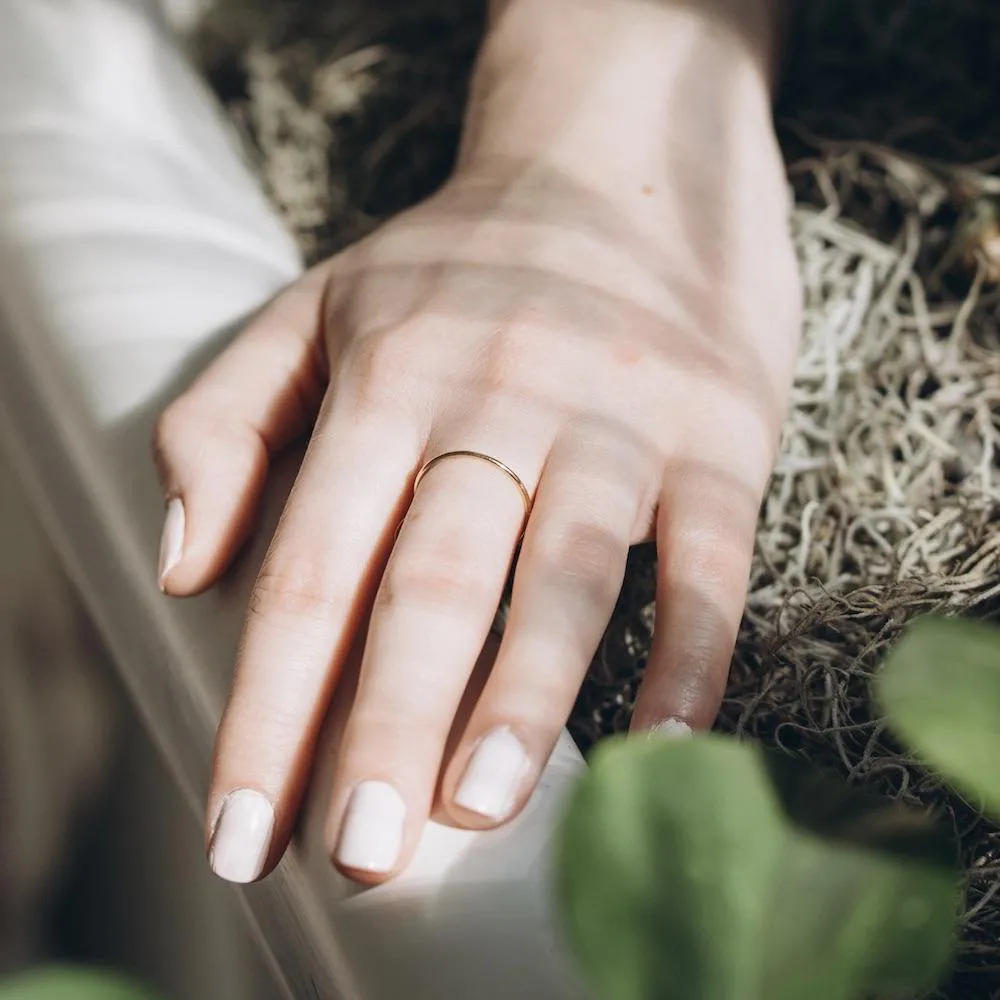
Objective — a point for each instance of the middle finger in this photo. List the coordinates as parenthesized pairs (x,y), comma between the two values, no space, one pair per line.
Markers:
(430,619)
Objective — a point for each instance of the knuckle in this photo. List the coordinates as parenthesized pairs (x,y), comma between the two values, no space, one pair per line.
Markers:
(175,425)
(189,437)
(436,577)
(516,350)
(295,591)
(585,554)
(380,365)
(715,556)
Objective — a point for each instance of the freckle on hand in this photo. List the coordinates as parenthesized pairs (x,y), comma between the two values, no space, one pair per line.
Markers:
(647,189)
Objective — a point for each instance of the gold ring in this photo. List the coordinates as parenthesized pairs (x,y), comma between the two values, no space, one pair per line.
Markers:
(515,478)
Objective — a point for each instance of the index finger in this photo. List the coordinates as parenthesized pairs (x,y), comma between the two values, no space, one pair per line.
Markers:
(301,622)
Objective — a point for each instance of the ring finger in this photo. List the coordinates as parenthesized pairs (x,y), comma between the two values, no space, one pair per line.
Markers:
(588,509)
(430,619)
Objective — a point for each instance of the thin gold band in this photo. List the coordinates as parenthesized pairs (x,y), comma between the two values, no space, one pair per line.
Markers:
(515,478)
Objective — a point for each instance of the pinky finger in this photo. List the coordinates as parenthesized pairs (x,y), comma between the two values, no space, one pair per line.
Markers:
(705,537)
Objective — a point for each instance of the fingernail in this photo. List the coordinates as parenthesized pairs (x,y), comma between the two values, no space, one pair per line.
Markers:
(672,729)
(493,775)
(242,836)
(372,835)
(172,539)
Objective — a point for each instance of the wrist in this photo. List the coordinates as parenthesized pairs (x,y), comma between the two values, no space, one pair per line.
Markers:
(615,93)
(519,27)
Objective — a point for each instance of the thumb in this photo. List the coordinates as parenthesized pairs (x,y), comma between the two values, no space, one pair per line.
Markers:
(213,444)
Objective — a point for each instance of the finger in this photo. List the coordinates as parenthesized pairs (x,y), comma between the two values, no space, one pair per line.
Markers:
(430,619)
(568,577)
(705,534)
(212,444)
(303,616)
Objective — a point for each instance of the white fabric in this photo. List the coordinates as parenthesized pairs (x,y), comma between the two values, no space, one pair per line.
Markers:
(54,725)
(131,239)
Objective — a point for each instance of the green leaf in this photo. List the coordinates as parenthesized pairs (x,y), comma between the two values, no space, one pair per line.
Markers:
(70,983)
(940,692)
(709,870)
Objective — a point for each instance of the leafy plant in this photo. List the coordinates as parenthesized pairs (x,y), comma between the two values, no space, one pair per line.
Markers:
(70,983)
(705,869)
(940,692)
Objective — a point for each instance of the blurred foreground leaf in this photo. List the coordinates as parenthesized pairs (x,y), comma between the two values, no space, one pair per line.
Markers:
(709,870)
(69,983)
(940,691)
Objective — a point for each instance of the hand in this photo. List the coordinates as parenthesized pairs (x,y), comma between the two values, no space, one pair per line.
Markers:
(622,338)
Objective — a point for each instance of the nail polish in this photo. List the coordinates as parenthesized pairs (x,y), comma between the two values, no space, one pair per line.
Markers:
(672,729)
(242,836)
(493,775)
(172,539)
(371,836)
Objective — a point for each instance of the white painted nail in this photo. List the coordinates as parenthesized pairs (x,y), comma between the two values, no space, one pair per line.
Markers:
(242,836)
(672,729)
(172,539)
(372,834)
(493,775)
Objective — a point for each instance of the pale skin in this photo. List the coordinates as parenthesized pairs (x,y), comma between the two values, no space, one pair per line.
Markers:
(604,297)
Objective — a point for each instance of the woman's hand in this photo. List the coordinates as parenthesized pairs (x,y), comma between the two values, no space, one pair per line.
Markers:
(605,303)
